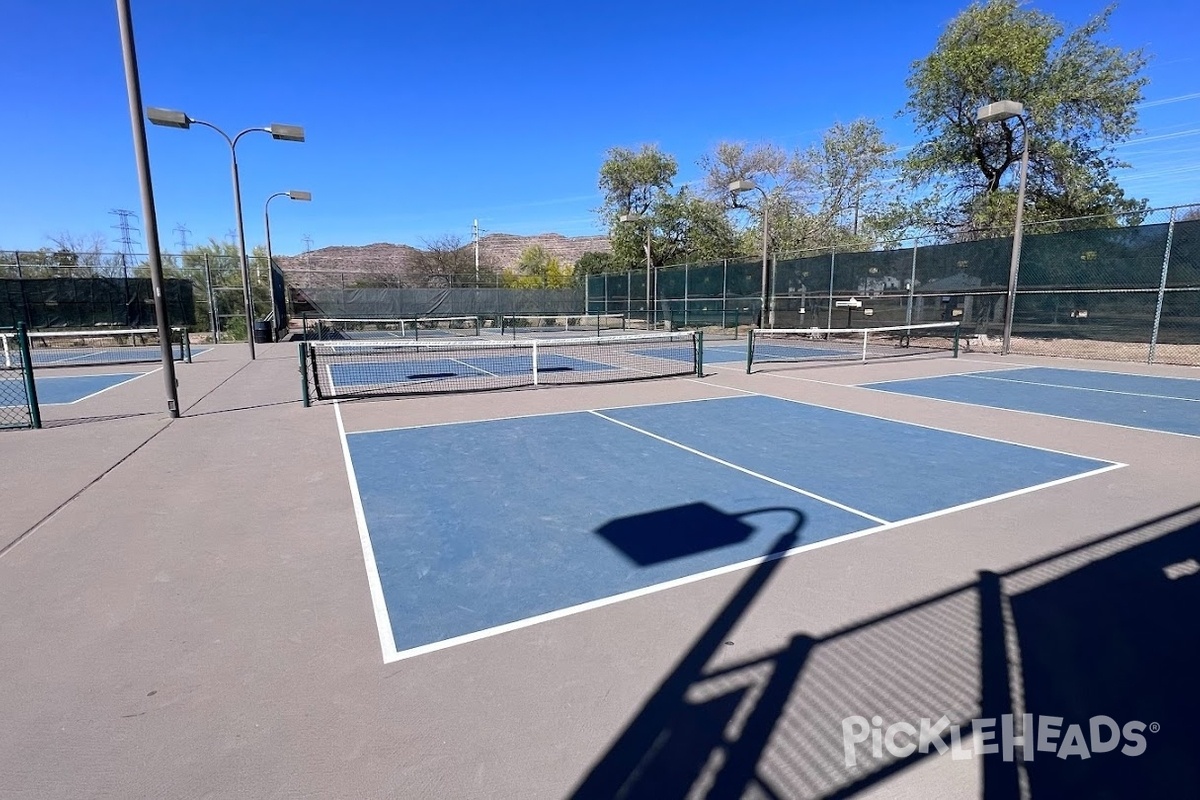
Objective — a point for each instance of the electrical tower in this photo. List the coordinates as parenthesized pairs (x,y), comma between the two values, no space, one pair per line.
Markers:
(126,230)
(307,242)
(182,240)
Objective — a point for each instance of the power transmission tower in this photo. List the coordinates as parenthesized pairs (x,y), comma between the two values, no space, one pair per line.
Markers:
(126,230)
(182,240)
(307,242)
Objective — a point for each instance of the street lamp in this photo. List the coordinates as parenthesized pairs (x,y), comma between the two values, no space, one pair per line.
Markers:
(287,133)
(633,217)
(998,112)
(294,195)
(747,185)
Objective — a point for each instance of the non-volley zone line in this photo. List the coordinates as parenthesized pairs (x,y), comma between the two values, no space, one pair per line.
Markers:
(637,500)
(1144,402)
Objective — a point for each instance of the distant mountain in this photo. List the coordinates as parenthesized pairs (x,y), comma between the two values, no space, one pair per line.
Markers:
(398,262)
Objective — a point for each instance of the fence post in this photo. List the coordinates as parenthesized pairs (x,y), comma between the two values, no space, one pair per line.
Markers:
(685,294)
(35,412)
(21,289)
(832,261)
(912,284)
(1162,288)
(725,292)
(628,293)
(774,287)
(213,313)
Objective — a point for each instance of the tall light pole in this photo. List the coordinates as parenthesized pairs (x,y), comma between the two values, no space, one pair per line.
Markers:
(294,195)
(287,133)
(633,217)
(141,153)
(996,112)
(747,185)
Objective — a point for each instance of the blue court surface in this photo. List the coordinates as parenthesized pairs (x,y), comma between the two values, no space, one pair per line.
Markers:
(476,528)
(60,390)
(422,368)
(1170,405)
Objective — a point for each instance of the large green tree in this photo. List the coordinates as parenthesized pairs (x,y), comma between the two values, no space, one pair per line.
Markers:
(1080,97)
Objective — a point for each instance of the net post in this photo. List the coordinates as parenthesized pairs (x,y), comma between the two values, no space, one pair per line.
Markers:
(699,354)
(866,334)
(35,413)
(187,345)
(749,350)
(535,364)
(304,395)
(957,333)
(478,326)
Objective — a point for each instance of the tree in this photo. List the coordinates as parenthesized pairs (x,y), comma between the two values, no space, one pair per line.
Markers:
(1080,99)
(448,260)
(830,193)
(537,269)
(595,263)
(631,183)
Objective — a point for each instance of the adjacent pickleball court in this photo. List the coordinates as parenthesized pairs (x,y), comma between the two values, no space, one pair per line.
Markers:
(616,503)
(1149,402)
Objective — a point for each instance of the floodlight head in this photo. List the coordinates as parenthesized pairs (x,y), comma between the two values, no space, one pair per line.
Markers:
(630,217)
(744,185)
(168,118)
(286,133)
(298,195)
(1001,109)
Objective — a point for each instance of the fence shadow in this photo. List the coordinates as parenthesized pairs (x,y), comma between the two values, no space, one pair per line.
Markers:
(1103,629)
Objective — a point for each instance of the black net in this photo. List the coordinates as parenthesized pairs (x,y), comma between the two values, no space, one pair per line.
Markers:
(861,344)
(85,348)
(383,368)
(598,323)
(335,328)
(80,301)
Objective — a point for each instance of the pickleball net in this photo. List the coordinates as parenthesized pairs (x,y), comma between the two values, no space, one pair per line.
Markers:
(89,347)
(343,328)
(783,345)
(523,324)
(337,369)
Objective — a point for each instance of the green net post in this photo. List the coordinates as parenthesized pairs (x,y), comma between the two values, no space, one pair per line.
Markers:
(957,331)
(35,413)
(186,345)
(304,377)
(749,350)
(699,354)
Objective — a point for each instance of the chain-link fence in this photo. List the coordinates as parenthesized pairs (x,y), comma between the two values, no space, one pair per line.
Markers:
(408,303)
(1123,287)
(18,397)
(204,292)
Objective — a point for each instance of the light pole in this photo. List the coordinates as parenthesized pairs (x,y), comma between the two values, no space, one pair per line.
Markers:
(747,185)
(996,112)
(294,195)
(141,154)
(287,133)
(632,217)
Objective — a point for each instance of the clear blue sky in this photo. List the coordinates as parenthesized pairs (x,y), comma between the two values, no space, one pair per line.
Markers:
(423,116)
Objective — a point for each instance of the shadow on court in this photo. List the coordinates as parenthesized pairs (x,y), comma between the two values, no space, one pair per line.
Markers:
(1106,629)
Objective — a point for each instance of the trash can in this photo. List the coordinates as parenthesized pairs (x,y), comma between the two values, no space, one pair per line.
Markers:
(262,332)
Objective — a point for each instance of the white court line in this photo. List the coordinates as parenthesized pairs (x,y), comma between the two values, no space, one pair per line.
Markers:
(472,366)
(918,424)
(1079,388)
(382,622)
(1083,369)
(867,388)
(745,471)
(395,656)
(1032,413)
